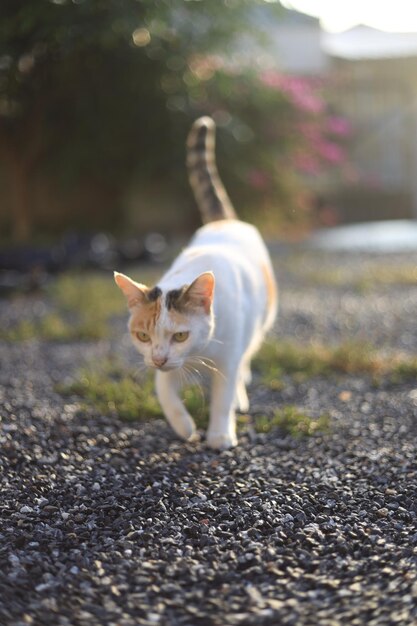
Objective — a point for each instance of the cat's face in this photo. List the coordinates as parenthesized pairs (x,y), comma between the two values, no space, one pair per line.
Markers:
(167,327)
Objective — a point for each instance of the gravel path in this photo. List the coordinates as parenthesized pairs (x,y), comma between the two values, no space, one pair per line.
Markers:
(105,522)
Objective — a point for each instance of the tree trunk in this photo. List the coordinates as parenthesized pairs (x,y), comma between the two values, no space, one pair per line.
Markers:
(20,197)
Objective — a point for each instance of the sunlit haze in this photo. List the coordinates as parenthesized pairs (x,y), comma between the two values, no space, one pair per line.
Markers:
(398,16)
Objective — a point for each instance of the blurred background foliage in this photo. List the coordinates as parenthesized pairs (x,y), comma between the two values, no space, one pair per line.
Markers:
(97,96)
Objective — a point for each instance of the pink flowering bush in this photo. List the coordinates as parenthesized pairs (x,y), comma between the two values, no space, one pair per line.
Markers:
(278,144)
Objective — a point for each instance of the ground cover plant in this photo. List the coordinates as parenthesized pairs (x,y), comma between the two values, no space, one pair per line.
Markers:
(279,358)
(115,389)
(80,306)
(112,388)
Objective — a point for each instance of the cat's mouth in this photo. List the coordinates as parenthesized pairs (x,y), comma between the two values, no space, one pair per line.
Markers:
(166,367)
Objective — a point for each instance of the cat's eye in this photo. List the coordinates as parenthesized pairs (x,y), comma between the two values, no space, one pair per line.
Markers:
(181,336)
(142,336)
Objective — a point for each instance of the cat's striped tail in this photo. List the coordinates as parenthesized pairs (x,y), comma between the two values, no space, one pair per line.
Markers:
(211,196)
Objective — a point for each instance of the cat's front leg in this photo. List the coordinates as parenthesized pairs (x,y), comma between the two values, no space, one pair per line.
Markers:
(221,433)
(167,387)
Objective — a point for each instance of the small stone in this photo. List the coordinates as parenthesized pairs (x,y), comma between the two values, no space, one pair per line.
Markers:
(26,509)
(345,396)
(276,605)
(50,509)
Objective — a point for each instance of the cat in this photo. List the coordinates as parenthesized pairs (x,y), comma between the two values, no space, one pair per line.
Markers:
(212,308)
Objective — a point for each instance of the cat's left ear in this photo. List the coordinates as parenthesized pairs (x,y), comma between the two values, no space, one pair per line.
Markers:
(134,292)
(201,291)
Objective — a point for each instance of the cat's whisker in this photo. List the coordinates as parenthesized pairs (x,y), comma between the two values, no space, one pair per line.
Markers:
(197,360)
(140,370)
(196,384)
(195,370)
(191,378)
(194,380)
(184,375)
(183,379)
(210,366)
(203,360)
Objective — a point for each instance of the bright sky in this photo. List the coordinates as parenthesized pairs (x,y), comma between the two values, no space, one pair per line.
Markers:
(391,15)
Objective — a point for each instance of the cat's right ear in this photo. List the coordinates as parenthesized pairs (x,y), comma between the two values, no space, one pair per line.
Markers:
(134,292)
(200,292)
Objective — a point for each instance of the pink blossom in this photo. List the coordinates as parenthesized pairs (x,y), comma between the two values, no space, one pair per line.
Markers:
(309,131)
(309,102)
(299,90)
(304,98)
(258,179)
(271,79)
(339,126)
(306,163)
(330,151)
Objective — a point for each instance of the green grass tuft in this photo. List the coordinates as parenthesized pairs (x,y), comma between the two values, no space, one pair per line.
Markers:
(364,280)
(277,359)
(54,327)
(84,304)
(404,369)
(113,389)
(292,421)
(308,360)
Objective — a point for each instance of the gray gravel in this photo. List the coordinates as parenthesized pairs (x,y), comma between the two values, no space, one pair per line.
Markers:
(105,522)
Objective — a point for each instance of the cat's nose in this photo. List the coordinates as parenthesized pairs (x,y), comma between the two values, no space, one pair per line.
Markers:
(159,362)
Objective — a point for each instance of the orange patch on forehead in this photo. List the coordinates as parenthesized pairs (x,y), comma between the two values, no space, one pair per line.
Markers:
(145,316)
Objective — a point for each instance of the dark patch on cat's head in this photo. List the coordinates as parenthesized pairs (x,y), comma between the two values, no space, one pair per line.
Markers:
(153,294)
(173,298)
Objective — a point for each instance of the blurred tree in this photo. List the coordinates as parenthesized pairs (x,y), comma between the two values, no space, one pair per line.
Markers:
(84,86)
(284,142)
(97,93)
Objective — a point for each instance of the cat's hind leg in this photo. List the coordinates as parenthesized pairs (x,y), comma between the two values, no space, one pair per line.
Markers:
(245,377)
(242,400)
(167,386)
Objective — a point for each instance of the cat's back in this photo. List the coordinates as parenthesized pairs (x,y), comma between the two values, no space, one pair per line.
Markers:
(237,255)
(229,235)
(226,247)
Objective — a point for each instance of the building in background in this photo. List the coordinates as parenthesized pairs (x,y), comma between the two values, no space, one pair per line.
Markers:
(295,43)
(377,90)
(373,74)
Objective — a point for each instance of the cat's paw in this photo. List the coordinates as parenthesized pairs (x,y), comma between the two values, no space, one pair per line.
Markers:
(183,425)
(242,400)
(195,437)
(221,441)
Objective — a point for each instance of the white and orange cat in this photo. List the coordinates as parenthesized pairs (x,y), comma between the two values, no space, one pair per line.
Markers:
(211,309)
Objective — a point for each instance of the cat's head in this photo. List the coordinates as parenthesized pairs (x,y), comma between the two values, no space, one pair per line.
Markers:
(168,326)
